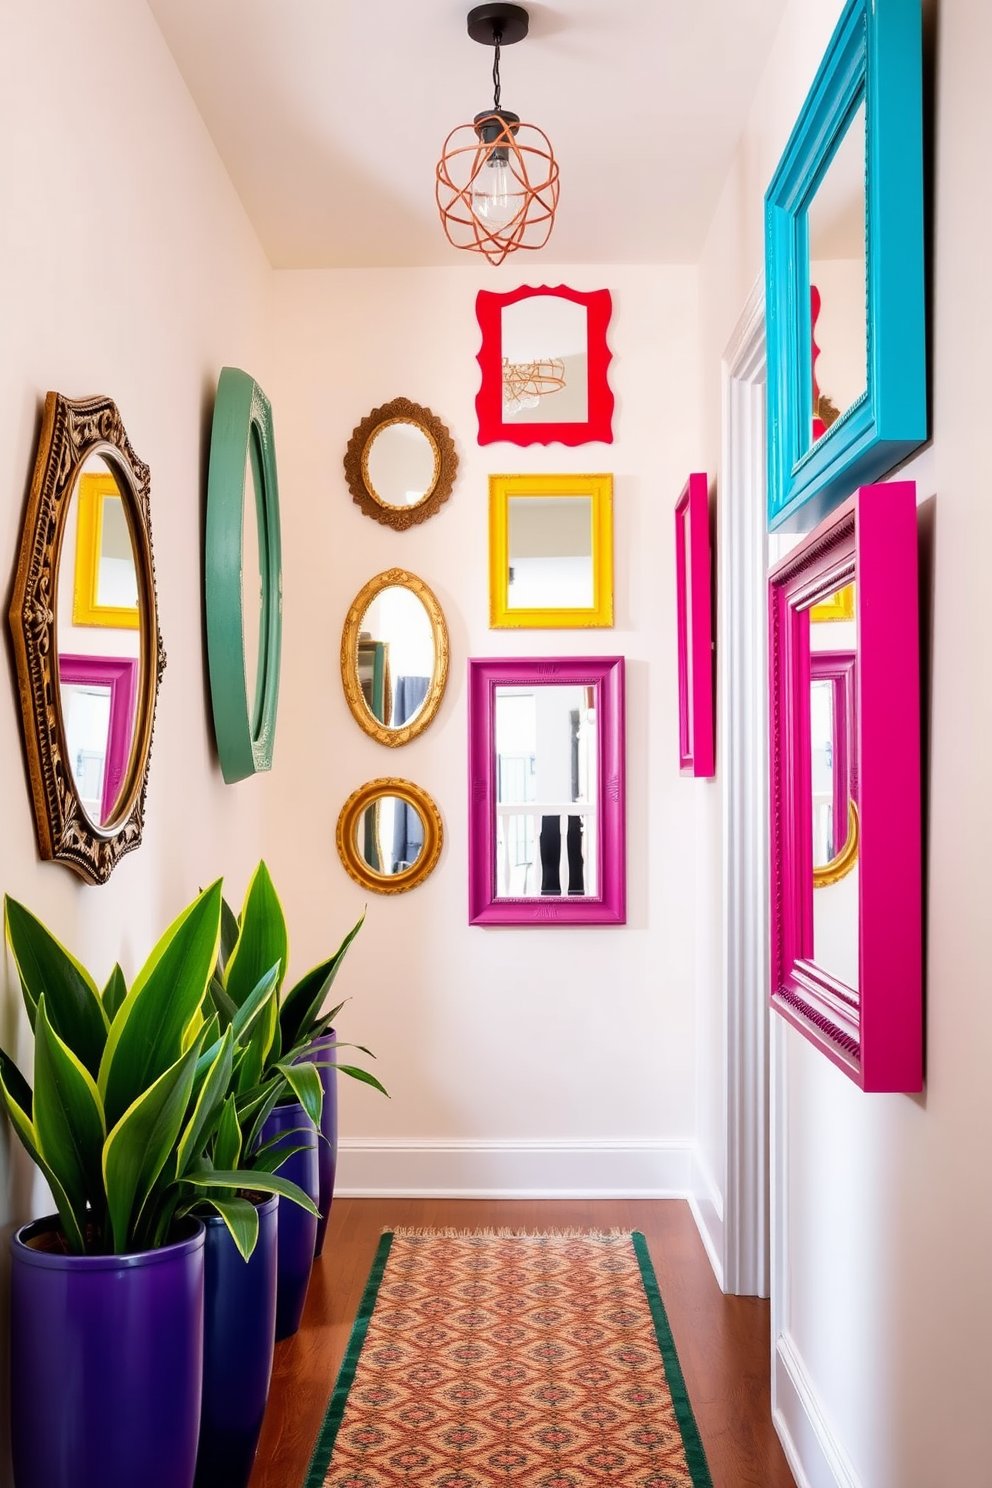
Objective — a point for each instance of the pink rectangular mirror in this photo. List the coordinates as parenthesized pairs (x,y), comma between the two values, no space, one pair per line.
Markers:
(547,827)
(844,693)
(695,628)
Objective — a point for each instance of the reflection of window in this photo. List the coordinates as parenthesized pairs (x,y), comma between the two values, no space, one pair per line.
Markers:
(86,719)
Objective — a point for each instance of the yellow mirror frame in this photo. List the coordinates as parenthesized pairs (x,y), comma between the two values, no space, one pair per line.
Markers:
(94,489)
(600,489)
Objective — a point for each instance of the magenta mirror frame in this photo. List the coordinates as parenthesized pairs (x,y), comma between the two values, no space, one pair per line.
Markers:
(874,1035)
(484,676)
(697,747)
(120,674)
(489,399)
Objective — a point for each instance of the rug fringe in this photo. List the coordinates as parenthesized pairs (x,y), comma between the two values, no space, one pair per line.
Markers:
(503,1232)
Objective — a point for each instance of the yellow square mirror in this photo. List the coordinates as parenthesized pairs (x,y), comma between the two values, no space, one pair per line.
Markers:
(550,551)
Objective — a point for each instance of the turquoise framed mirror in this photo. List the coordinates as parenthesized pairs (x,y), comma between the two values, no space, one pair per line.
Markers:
(845,295)
(243,576)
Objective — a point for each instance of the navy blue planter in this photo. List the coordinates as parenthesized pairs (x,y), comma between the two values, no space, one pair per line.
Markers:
(297,1228)
(327,1149)
(239,1334)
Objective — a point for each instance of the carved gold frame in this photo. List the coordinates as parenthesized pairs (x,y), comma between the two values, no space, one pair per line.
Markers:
(349,822)
(361,713)
(71,431)
(356,464)
(840,866)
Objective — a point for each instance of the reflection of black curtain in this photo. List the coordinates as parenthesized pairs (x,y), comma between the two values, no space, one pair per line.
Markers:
(550,842)
(573,847)
(408,829)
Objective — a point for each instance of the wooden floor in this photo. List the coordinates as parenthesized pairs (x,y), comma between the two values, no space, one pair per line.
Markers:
(723,1342)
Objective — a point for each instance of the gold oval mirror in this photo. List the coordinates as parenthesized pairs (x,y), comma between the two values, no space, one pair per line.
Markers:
(400,464)
(394,657)
(84,622)
(389,835)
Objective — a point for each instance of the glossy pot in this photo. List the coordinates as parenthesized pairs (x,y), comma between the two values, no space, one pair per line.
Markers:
(297,1228)
(106,1363)
(320,1051)
(239,1334)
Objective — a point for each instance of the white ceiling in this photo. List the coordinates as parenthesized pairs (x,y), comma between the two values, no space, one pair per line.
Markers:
(329,116)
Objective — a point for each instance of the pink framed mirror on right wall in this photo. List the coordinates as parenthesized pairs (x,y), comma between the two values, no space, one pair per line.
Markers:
(846,874)
(693,567)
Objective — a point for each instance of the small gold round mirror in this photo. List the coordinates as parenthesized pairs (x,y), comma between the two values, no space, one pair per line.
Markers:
(389,835)
(394,657)
(400,464)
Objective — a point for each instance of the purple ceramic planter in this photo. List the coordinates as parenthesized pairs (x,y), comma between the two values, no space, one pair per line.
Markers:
(106,1364)
(239,1334)
(327,1148)
(297,1228)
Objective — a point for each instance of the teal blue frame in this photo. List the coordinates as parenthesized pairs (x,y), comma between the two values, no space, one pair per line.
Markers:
(875,56)
(242,430)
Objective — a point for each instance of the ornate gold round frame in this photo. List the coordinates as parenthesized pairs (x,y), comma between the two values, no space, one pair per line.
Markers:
(370,725)
(356,464)
(840,866)
(347,835)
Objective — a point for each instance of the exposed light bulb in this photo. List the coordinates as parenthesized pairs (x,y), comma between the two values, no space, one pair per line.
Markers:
(496,196)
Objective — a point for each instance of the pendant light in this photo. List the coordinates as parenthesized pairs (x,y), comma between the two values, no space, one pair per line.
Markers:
(497,179)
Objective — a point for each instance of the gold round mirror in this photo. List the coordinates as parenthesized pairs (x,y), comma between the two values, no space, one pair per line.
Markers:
(394,657)
(84,623)
(389,835)
(400,464)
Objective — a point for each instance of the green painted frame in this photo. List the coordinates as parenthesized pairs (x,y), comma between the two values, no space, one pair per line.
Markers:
(242,430)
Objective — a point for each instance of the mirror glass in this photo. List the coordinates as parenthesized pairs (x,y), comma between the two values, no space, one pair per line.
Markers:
(396,656)
(390,835)
(401,463)
(838,281)
(98,660)
(833,742)
(544,344)
(253,521)
(550,553)
(547,789)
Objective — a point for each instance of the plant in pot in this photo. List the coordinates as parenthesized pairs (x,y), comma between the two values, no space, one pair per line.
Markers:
(293,1065)
(130,1088)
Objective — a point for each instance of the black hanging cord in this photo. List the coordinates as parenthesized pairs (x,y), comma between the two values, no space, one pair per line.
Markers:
(497,38)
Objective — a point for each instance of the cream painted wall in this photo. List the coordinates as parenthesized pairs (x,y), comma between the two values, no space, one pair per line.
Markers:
(127,267)
(517,1059)
(883,1363)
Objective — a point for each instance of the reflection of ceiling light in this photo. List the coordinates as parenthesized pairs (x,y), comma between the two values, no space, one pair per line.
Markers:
(526,383)
(497,179)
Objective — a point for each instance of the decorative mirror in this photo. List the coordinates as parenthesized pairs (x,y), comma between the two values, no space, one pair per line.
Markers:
(550,551)
(695,628)
(389,835)
(845,800)
(845,305)
(243,563)
(394,657)
(547,825)
(84,622)
(400,464)
(543,360)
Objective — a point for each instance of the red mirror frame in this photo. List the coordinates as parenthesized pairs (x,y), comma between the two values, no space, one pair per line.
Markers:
(489,399)
(875,1034)
(697,753)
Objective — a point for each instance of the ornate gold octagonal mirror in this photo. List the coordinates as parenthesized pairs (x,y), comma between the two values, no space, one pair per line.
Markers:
(84,621)
(400,464)
(394,657)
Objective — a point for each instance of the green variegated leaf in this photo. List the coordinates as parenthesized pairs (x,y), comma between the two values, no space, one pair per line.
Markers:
(264,1182)
(13,1090)
(255,1005)
(229,931)
(114,993)
(363,1075)
(207,1110)
(304,1081)
(227,1143)
(241,1218)
(75,1010)
(146,1036)
(68,1117)
(226,1009)
(139,1145)
(262,939)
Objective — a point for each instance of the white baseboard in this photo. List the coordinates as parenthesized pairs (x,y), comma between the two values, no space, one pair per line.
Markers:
(706,1203)
(815,1456)
(514,1170)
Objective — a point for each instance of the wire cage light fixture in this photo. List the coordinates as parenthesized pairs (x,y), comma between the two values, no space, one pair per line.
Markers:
(526,383)
(497,179)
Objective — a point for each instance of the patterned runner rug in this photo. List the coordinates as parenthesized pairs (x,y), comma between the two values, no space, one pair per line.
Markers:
(528,1361)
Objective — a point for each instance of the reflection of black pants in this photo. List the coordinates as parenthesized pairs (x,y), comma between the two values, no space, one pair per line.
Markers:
(550,843)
